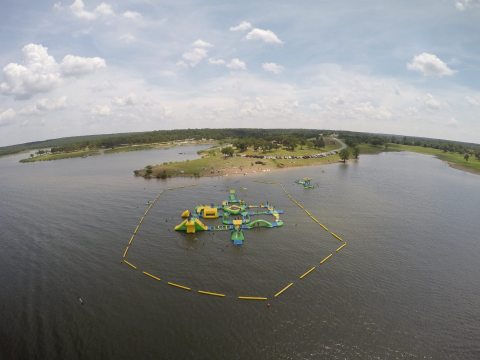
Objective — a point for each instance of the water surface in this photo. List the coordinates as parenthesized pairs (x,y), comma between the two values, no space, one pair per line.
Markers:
(406,286)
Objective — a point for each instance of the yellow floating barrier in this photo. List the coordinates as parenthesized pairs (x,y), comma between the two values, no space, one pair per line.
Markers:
(136,229)
(152,276)
(341,247)
(129,264)
(210,293)
(324,227)
(179,286)
(125,252)
(326,258)
(335,235)
(284,289)
(307,272)
(252,298)
(131,240)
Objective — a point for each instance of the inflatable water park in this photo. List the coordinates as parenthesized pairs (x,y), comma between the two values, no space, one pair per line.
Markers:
(305,182)
(235,214)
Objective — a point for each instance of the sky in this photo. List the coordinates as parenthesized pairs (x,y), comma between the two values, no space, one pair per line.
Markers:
(88,67)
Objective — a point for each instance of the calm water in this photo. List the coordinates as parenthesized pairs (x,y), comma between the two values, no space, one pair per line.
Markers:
(406,287)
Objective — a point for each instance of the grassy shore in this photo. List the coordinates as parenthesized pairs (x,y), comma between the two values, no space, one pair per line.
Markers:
(299,151)
(118,149)
(128,148)
(368,149)
(58,156)
(213,163)
(453,159)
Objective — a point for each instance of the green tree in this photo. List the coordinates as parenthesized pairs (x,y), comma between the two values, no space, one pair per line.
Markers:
(148,170)
(241,145)
(290,142)
(466,156)
(355,152)
(344,154)
(227,151)
(319,142)
(162,175)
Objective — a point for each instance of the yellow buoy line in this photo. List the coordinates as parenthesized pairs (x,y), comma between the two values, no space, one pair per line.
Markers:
(337,237)
(283,290)
(216,294)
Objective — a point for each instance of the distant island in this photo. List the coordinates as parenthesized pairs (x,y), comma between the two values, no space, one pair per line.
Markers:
(244,151)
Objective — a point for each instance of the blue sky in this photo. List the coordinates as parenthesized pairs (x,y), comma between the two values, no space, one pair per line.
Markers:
(85,67)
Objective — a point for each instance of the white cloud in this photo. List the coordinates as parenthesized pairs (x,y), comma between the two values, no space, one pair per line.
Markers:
(51,104)
(57,6)
(452,122)
(41,73)
(129,100)
(429,65)
(335,95)
(78,9)
(233,64)
(44,105)
(194,56)
(214,61)
(243,26)
(236,64)
(462,5)
(77,65)
(459,5)
(272,67)
(127,38)
(370,111)
(474,101)
(103,10)
(101,110)
(432,103)
(181,64)
(6,116)
(267,36)
(132,15)
(202,44)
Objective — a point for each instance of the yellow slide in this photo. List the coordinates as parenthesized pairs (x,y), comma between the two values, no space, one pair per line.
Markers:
(191,226)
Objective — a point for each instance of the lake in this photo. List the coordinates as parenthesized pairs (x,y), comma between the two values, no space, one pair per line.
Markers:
(407,286)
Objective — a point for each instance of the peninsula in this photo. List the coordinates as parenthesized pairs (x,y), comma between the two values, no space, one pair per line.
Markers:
(245,151)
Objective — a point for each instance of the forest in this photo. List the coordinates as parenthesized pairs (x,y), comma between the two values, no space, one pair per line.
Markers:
(242,138)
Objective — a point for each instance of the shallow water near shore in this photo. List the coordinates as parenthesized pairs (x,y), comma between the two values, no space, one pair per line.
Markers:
(405,287)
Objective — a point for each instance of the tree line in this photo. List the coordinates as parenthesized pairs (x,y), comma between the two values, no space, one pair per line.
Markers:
(265,139)
(355,138)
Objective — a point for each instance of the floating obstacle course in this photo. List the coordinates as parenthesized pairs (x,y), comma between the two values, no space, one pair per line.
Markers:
(306,182)
(235,214)
(191,225)
(186,214)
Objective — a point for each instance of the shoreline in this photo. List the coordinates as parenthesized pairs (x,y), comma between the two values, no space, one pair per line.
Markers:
(213,163)
(461,167)
(232,172)
(237,168)
(109,151)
